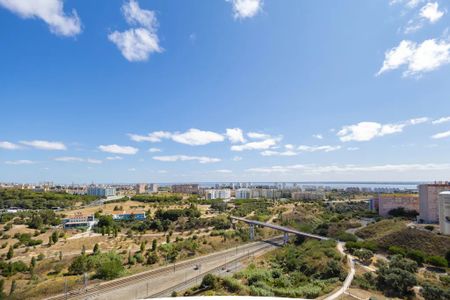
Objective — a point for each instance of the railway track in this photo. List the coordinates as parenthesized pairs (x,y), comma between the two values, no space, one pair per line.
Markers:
(95,290)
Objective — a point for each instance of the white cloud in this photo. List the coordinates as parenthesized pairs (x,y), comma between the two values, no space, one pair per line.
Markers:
(353,148)
(318,136)
(132,169)
(431,12)
(174,158)
(441,135)
(258,135)
(225,171)
(260,145)
(116,149)
(69,159)
(8,146)
(134,15)
(114,157)
(237,158)
(366,131)
(78,159)
(325,148)
(136,44)
(418,58)
(196,137)
(246,8)
(154,137)
(410,4)
(192,137)
(19,162)
(154,150)
(45,145)
(235,135)
(441,120)
(50,11)
(278,153)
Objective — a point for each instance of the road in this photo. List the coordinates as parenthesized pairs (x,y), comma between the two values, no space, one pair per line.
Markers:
(165,279)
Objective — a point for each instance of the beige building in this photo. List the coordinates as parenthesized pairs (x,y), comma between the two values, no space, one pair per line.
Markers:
(185,188)
(140,188)
(444,212)
(428,200)
(388,202)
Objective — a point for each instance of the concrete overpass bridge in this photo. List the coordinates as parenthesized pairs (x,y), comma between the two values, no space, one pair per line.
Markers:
(285,230)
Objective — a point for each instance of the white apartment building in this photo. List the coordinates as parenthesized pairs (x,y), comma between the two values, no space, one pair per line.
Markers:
(218,194)
(243,193)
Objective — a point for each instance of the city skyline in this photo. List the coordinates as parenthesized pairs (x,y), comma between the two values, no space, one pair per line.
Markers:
(250,90)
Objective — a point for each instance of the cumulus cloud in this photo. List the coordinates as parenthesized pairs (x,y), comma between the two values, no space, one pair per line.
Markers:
(154,150)
(49,11)
(154,137)
(8,145)
(195,137)
(45,145)
(366,131)
(258,135)
(259,145)
(441,120)
(431,12)
(136,44)
(192,137)
(243,9)
(19,162)
(418,58)
(116,149)
(441,135)
(174,158)
(237,158)
(235,135)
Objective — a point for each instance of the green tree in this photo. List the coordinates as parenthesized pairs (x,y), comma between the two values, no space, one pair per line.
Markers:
(142,247)
(50,241)
(131,259)
(55,237)
(96,249)
(36,221)
(154,245)
(80,265)
(365,256)
(209,281)
(152,258)
(2,288)
(33,262)
(83,250)
(110,266)
(10,253)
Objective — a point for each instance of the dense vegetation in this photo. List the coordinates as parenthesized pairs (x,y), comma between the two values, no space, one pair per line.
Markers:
(307,270)
(27,199)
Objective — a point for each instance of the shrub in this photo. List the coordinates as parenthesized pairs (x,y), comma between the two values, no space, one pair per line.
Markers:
(397,250)
(416,255)
(437,261)
(209,282)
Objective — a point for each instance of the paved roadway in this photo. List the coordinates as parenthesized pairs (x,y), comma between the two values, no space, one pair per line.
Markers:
(165,279)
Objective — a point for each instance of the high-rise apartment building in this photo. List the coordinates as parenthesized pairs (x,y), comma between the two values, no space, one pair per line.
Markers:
(428,200)
(101,192)
(444,212)
(140,188)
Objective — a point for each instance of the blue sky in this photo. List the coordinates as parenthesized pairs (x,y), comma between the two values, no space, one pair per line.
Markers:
(238,90)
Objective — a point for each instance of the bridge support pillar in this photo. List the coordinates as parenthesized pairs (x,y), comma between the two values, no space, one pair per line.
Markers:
(285,238)
(252,232)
